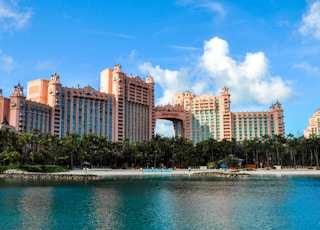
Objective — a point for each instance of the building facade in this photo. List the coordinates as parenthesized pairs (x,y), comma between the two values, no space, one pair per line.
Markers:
(210,116)
(4,107)
(314,125)
(27,115)
(134,104)
(122,109)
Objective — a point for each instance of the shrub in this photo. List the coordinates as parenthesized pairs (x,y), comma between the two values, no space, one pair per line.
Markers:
(7,167)
(212,165)
(43,168)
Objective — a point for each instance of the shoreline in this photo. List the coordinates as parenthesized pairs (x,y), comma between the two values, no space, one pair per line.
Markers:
(255,172)
(98,174)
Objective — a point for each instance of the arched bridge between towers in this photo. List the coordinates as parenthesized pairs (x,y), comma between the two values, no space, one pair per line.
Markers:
(174,114)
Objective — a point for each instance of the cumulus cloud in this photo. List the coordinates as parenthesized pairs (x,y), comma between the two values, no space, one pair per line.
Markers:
(311,21)
(249,80)
(11,17)
(164,126)
(171,81)
(6,62)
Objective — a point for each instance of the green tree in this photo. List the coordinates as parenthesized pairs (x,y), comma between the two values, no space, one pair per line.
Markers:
(278,142)
(291,148)
(71,144)
(24,142)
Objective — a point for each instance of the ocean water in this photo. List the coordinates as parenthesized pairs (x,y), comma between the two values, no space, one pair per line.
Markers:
(161,202)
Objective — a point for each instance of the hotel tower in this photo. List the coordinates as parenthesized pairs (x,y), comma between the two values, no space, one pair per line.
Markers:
(314,125)
(122,109)
(210,116)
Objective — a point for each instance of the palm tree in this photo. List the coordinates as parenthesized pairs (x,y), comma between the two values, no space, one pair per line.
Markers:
(313,145)
(89,147)
(291,147)
(182,151)
(302,150)
(211,148)
(252,149)
(156,148)
(202,156)
(35,138)
(50,148)
(144,151)
(24,142)
(277,144)
(71,145)
(117,149)
(246,145)
(266,142)
(8,141)
(104,151)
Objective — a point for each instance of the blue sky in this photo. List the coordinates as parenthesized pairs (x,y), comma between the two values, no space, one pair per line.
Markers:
(264,50)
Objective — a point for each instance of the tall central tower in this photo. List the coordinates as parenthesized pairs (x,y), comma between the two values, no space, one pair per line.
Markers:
(54,93)
(134,104)
(17,109)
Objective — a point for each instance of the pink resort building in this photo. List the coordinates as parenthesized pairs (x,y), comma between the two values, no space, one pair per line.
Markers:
(210,116)
(314,125)
(123,108)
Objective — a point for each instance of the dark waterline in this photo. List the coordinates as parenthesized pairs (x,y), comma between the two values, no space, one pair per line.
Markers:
(161,202)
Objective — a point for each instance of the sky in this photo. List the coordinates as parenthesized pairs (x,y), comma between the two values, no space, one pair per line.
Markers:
(264,51)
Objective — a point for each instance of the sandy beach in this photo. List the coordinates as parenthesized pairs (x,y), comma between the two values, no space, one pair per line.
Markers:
(97,174)
(257,172)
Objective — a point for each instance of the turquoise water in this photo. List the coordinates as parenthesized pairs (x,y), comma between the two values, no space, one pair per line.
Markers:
(167,202)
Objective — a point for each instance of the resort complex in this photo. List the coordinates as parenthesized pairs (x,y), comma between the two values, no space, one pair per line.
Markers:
(209,116)
(123,109)
(314,125)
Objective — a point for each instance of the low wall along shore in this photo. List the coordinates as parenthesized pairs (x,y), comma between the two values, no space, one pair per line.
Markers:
(221,174)
(48,176)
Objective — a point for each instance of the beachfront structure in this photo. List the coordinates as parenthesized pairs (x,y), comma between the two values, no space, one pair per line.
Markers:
(122,109)
(314,125)
(209,116)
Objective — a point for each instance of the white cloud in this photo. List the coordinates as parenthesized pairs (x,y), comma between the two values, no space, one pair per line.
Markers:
(6,62)
(248,80)
(186,48)
(311,21)
(132,55)
(164,127)
(11,17)
(121,35)
(305,66)
(251,85)
(170,81)
(214,7)
(211,6)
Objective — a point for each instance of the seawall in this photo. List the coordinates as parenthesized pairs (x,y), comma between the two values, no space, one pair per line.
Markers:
(222,174)
(49,176)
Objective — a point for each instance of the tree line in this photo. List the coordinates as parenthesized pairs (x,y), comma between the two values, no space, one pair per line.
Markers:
(96,151)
